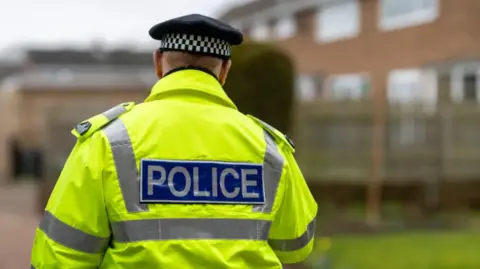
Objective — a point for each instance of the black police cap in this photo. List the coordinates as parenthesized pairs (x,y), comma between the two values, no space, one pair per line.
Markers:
(198,34)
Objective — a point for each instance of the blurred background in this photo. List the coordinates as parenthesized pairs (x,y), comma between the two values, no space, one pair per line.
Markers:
(383,109)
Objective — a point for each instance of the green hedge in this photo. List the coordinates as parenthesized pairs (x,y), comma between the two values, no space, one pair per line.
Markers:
(261,83)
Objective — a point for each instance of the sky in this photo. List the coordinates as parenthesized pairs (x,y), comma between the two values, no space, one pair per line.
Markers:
(114,23)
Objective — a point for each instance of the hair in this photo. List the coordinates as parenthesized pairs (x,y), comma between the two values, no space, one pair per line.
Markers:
(176,59)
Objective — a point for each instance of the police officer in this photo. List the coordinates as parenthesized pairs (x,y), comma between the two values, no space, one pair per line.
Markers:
(183,180)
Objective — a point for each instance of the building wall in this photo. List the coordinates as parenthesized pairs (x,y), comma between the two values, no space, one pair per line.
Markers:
(452,36)
(39,102)
(8,126)
(28,115)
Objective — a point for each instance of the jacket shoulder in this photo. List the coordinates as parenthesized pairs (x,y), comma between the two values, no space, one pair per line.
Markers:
(88,127)
(279,137)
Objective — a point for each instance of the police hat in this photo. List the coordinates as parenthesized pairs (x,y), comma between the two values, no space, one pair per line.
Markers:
(198,34)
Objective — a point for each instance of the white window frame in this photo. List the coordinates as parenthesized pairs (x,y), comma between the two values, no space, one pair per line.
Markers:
(324,35)
(260,31)
(307,88)
(425,92)
(285,22)
(427,88)
(418,17)
(331,95)
(411,75)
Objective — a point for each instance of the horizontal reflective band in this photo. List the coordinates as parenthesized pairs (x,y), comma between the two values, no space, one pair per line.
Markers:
(71,237)
(296,243)
(184,229)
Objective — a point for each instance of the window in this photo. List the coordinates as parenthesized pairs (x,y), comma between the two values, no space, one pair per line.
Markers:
(338,21)
(348,87)
(470,87)
(395,14)
(308,87)
(465,82)
(285,28)
(260,31)
(404,86)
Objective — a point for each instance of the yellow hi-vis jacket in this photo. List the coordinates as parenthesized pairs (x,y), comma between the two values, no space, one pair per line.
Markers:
(183,180)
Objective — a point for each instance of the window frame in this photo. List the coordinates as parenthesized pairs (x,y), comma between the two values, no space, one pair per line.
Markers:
(285,19)
(404,73)
(411,131)
(342,36)
(316,82)
(407,20)
(329,90)
(458,72)
(262,25)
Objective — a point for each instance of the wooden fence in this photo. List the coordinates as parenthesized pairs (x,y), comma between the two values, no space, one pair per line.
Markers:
(335,142)
(336,147)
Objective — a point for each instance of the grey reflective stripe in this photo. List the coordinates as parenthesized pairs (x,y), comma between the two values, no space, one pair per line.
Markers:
(272,171)
(114,112)
(126,165)
(71,237)
(184,229)
(294,244)
(270,127)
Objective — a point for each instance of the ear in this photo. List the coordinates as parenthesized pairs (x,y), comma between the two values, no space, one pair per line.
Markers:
(222,76)
(157,60)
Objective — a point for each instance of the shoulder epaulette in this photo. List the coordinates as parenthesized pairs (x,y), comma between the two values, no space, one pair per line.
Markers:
(88,127)
(277,135)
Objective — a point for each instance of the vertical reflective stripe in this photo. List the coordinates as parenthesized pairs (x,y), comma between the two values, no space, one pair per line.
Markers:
(126,166)
(71,237)
(272,169)
(114,112)
(296,243)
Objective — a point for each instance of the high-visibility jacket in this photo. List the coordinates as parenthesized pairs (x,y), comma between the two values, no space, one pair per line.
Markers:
(183,180)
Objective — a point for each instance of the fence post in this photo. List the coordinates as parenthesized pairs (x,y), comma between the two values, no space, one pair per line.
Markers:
(374,188)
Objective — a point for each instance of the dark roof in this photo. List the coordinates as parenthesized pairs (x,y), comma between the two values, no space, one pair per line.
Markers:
(89,57)
(247,9)
(64,77)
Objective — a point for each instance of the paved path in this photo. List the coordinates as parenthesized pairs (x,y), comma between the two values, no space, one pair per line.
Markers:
(17,225)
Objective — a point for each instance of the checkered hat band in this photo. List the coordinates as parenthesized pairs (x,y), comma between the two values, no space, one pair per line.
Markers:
(195,43)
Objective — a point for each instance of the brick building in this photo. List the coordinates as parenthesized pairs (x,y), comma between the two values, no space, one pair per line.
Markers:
(421,54)
(423,51)
(47,81)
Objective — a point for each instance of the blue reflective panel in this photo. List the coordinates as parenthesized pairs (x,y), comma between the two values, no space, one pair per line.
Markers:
(166,181)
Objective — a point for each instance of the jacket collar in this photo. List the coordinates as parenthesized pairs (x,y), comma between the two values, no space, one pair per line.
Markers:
(192,79)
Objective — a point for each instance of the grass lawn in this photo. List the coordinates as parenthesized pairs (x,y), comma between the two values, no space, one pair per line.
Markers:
(409,250)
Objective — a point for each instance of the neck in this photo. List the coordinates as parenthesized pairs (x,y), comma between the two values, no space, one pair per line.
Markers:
(173,70)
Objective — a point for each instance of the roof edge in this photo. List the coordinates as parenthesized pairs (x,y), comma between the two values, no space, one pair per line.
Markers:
(278,9)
